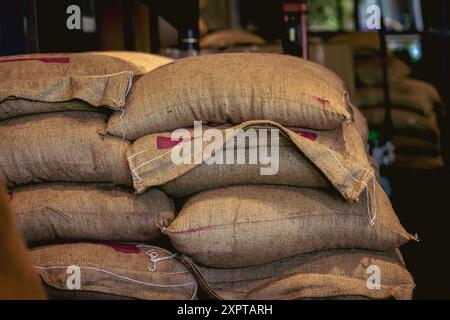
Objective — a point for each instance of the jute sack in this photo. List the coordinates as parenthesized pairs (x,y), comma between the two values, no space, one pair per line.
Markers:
(251,225)
(293,169)
(418,162)
(233,88)
(17,277)
(32,66)
(39,83)
(227,38)
(359,40)
(360,122)
(417,101)
(406,122)
(114,270)
(67,146)
(310,158)
(415,146)
(414,85)
(370,72)
(141,62)
(10,108)
(48,212)
(333,274)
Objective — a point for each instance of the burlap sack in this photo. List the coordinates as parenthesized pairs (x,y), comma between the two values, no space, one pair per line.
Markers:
(251,225)
(233,88)
(39,83)
(417,101)
(68,146)
(141,62)
(405,122)
(31,66)
(227,38)
(370,72)
(293,169)
(360,122)
(10,108)
(333,274)
(17,277)
(121,270)
(47,212)
(359,40)
(306,158)
(418,162)
(415,146)
(414,85)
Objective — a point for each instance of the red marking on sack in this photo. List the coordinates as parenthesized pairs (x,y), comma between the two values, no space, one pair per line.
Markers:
(322,101)
(168,142)
(11,196)
(307,134)
(124,248)
(42,59)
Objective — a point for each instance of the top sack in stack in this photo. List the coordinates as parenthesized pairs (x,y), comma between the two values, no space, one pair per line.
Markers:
(38,83)
(233,88)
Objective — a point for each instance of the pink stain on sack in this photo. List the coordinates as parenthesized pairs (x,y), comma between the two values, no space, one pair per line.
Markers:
(322,101)
(167,142)
(42,59)
(307,134)
(124,248)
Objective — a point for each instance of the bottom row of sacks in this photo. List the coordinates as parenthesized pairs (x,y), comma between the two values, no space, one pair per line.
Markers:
(137,271)
(243,242)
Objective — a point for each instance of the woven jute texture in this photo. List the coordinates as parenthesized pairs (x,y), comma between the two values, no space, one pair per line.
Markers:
(293,168)
(251,225)
(333,274)
(233,88)
(139,62)
(360,122)
(122,270)
(310,158)
(20,107)
(17,277)
(306,157)
(83,64)
(67,146)
(48,212)
(46,82)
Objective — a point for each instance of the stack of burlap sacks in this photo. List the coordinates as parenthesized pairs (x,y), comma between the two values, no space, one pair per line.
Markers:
(416,130)
(69,185)
(316,229)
